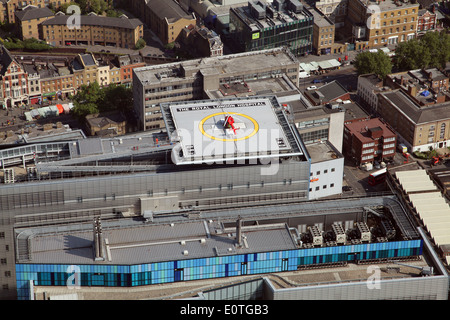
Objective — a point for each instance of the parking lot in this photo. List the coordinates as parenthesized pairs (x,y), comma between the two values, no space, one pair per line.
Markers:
(356,179)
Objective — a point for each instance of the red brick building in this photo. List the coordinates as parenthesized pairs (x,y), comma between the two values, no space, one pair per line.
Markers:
(369,141)
(426,21)
(127,63)
(13,80)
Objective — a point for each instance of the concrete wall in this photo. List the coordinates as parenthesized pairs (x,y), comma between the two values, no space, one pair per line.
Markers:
(330,182)
(423,288)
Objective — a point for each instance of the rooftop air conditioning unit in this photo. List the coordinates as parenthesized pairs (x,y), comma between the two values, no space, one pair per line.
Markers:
(339,232)
(316,235)
(388,229)
(363,231)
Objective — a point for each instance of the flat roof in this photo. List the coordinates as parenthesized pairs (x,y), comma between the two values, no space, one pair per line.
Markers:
(133,241)
(227,65)
(203,134)
(322,151)
(145,243)
(390,5)
(279,86)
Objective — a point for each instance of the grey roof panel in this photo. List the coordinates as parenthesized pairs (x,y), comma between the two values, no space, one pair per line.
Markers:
(97,21)
(32,12)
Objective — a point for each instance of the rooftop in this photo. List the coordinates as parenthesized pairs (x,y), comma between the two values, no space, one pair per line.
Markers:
(238,64)
(319,19)
(416,113)
(432,74)
(363,129)
(172,237)
(141,243)
(326,93)
(259,15)
(322,151)
(168,9)
(33,12)
(259,128)
(279,86)
(94,20)
(389,5)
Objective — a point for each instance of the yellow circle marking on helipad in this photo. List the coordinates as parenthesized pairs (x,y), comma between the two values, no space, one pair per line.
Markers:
(255,124)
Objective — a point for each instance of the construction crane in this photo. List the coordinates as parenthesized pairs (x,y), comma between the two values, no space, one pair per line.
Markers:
(424,271)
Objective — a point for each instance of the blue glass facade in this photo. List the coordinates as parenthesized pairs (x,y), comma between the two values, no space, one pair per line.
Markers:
(205,268)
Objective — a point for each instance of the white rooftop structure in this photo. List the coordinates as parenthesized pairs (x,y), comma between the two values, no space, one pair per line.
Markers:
(203,133)
(430,205)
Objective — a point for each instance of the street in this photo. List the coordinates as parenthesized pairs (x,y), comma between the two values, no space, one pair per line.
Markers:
(346,76)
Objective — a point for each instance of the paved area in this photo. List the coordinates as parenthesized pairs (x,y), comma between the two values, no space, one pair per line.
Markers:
(357,178)
(13,118)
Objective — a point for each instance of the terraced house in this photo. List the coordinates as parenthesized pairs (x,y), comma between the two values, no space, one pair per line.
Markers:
(373,24)
(8,8)
(94,30)
(14,80)
(28,20)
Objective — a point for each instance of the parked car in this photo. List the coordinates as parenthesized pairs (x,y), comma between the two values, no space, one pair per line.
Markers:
(316,81)
(311,88)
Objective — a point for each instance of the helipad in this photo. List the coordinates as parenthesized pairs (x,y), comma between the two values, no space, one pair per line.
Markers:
(222,130)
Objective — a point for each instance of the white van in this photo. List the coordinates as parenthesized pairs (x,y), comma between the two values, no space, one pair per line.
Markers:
(303,74)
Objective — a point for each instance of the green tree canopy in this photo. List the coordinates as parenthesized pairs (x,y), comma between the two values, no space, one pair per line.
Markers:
(411,55)
(94,99)
(116,97)
(140,44)
(429,51)
(97,6)
(373,62)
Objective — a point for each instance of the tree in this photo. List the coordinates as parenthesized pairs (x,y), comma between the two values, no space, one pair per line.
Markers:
(140,44)
(94,99)
(430,51)
(411,55)
(116,97)
(370,62)
(82,110)
(64,6)
(91,93)
(87,99)
(438,44)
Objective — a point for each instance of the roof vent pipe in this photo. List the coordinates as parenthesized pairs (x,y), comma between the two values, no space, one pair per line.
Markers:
(239,231)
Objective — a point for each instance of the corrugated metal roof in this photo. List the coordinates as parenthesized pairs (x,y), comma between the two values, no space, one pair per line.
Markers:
(154,243)
(432,207)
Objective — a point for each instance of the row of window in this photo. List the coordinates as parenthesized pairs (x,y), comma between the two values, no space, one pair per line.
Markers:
(324,172)
(317,188)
